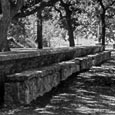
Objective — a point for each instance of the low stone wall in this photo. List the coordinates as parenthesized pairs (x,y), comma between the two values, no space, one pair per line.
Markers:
(26,86)
(21,60)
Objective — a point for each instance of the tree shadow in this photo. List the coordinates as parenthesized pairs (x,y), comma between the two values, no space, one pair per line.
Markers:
(87,93)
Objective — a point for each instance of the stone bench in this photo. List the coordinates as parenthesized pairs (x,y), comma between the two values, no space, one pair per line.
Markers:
(26,86)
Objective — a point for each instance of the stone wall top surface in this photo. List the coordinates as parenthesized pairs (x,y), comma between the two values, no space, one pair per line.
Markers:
(18,53)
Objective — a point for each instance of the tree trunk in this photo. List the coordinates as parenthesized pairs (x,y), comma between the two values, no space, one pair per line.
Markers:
(99,32)
(3,35)
(70,31)
(2,88)
(103,28)
(4,23)
(39,30)
(8,12)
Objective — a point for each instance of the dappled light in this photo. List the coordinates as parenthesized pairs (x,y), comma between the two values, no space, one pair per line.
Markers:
(88,93)
(50,56)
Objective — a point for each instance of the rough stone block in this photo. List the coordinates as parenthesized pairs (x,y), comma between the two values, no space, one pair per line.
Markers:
(98,58)
(68,68)
(84,62)
(24,92)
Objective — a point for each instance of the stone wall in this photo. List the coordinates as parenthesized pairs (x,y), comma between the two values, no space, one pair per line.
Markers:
(17,61)
(25,86)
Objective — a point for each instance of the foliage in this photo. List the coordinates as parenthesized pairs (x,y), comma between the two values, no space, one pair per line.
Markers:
(85,20)
(23,31)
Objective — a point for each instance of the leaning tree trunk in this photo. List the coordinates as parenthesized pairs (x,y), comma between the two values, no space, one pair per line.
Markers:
(39,30)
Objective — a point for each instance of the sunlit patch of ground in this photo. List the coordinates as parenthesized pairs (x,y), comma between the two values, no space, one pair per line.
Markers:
(89,93)
(79,41)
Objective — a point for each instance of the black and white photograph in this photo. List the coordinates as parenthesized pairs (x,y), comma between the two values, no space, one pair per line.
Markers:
(57,57)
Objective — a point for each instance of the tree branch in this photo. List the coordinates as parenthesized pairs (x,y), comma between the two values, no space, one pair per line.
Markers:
(113,2)
(35,8)
(14,10)
(101,3)
(61,16)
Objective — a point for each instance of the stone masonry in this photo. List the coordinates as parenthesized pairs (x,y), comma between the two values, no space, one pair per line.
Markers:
(24,84)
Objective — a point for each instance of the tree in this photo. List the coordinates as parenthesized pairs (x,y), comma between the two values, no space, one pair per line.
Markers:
(68,10)
(99,18)
(13,9)
(105,5)
(8,11)
(42,15)
(39,29)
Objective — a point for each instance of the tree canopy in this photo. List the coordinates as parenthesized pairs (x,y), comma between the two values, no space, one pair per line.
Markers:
(94,17)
